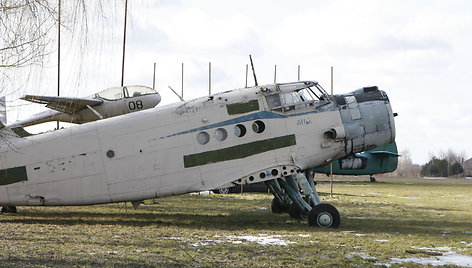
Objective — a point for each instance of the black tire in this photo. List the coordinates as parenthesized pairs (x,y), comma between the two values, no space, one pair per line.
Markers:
(278,208)
(9,209)
(372,179)
(296,213)
(324,216)
(223,190)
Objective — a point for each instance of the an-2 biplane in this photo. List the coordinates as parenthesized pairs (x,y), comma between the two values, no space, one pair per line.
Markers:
(263,133)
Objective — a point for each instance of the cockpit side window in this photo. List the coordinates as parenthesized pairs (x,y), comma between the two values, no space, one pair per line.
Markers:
(273,101)
(294,100)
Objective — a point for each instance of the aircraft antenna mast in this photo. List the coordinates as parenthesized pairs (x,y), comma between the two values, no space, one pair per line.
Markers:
(246,74)
(154,77)
(209,78)
(275,73)
(124,44)
(182,82)
(253,72)
(298,72)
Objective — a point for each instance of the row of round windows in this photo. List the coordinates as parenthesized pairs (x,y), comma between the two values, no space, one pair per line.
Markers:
(221,134)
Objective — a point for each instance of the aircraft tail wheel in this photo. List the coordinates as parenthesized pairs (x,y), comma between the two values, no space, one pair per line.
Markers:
(276,207)
(296,213)
(324,216)
(223,190)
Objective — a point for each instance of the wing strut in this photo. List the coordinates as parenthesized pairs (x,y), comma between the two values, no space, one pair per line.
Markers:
(95,112)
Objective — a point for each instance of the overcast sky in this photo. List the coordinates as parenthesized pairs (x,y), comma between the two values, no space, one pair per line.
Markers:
(419,52)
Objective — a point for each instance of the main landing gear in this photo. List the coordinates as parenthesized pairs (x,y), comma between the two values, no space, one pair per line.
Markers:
(297,195)
(8,209)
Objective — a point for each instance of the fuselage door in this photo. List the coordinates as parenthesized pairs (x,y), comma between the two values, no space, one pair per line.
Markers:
(353,107)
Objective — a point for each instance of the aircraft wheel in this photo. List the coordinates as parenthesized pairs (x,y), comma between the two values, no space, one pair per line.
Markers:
(223,190)
(276,207)
(324,216)
(8,209)
(372,179)
(296,213)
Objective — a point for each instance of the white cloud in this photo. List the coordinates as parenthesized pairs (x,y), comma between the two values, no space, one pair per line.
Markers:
(418,51)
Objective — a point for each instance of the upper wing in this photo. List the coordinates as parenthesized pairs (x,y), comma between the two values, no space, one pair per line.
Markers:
(63,104)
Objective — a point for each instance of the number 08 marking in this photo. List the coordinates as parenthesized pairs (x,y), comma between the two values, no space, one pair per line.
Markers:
(133,105)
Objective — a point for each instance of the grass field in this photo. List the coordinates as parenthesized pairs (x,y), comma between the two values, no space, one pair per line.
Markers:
(395,222)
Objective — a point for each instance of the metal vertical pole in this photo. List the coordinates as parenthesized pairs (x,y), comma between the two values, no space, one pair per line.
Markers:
(246,74)
(58,53)
(124,45)
(182,95)
(331,164)
(209,78)
(275,73)
(253,72)
(298,72)
(154,78)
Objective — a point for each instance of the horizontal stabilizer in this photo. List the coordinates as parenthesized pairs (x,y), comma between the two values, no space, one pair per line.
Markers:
(63,104)
(384,153)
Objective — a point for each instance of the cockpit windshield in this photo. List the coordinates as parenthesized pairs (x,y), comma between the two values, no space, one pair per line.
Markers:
(117,93)
(293,96)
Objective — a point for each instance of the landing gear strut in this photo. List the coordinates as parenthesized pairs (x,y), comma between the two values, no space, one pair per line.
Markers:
(372,179)
(8,209)
(297,195)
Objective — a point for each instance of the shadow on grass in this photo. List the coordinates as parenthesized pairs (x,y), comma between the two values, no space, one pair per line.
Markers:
(47,262)
(262,220)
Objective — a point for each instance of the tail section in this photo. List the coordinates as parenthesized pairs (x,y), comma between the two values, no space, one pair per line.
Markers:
(9,131)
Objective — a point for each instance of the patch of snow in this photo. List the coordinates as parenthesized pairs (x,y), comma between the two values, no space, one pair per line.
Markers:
(362,255)
(381,240)
(202,192)
(304,235)
(360,234)
(468,178)
(444,249)
(449,258)
(357,218)
(434,178)
(272,240)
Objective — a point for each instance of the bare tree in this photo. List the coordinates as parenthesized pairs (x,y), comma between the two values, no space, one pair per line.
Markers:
(24,27)
(406,168)
(28,33)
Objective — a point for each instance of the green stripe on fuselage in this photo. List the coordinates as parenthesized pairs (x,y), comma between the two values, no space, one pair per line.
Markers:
(13,175)
(238,151)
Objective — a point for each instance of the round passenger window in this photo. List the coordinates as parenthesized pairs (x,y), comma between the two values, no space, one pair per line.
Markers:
(221,134)
(203,138)
(258,126)
(239,130)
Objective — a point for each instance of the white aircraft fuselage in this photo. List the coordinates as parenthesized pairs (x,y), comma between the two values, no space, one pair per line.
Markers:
(126,102)
(246,135)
